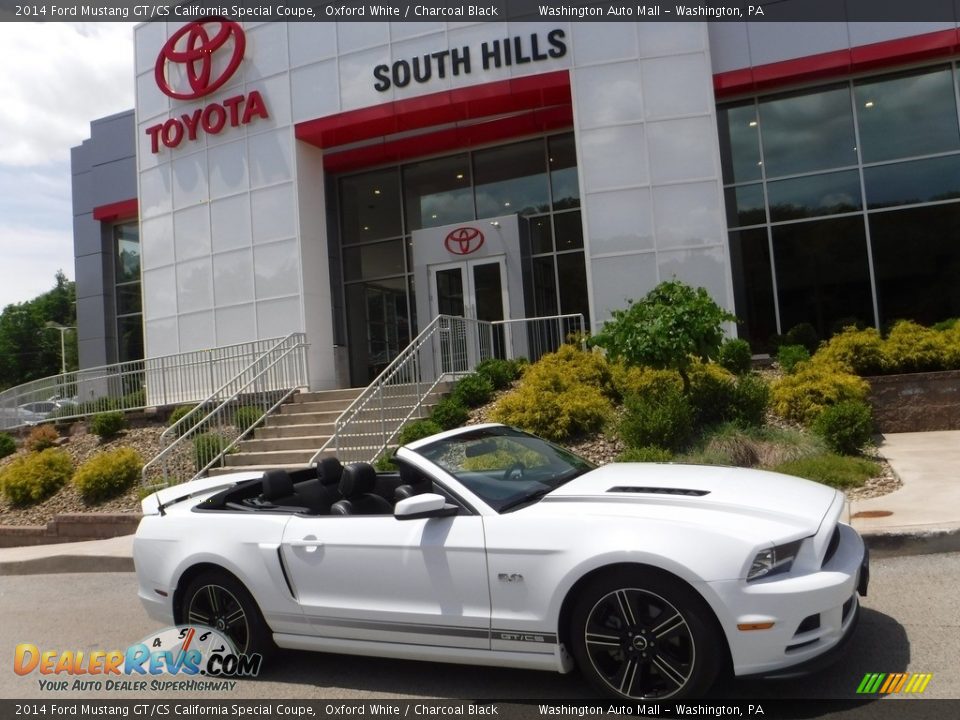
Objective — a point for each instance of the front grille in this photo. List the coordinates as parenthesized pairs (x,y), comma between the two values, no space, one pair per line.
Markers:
(657,490)
(832,546)
(847,607)
(803,644)
(809,623)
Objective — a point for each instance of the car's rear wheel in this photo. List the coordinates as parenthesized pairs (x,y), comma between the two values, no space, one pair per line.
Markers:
(218,600)
(645,635)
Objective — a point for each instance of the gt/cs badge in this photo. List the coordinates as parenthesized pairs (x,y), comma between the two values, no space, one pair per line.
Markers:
(510,577)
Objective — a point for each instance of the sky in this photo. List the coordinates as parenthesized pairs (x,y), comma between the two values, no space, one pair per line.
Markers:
(55,79)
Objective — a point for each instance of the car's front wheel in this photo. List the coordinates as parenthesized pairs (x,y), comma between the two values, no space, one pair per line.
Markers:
(218,600)
(645,635)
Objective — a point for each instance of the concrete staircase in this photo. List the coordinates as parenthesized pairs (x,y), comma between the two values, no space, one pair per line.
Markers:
(290,437)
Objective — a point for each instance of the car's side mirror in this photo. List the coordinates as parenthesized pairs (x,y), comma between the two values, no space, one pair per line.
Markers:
(427,505)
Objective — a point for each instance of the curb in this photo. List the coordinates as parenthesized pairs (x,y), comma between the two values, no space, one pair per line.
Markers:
(896,543)
(67,564)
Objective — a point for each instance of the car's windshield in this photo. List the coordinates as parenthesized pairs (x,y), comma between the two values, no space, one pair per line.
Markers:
(506,468)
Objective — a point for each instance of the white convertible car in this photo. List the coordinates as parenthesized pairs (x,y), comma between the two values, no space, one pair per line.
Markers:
(493,547)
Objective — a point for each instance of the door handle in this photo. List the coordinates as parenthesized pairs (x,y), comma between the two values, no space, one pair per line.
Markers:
(310,545)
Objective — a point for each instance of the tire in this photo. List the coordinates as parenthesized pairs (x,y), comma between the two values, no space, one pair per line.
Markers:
(644,635)
(218,600)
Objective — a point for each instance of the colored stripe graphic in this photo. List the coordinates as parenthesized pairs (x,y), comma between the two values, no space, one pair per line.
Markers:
(889,684)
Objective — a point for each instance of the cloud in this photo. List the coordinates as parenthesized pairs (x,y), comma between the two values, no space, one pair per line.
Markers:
(31,258)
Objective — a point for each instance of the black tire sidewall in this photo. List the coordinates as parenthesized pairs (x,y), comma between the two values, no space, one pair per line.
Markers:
(259,639)
(709,655)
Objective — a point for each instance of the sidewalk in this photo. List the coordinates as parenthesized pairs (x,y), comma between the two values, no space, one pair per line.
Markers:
(923,516)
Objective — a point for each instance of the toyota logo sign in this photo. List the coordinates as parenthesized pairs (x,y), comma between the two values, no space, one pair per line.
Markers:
(464,240)
(192,48)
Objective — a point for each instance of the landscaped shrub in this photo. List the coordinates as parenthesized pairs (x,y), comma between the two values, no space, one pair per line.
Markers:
(751,397)
(845,427)
(178,414)
(473,390)
(712,393)
(8,446)
(645,454)
(788,356)
(801,397)
(556,411)
(41,438)
(672,326)
(835,470)
(913,348)
(385,462)
(246,417)
(664,419)
(803,334)
(206,446)
(860,351)
(449,413)
(35,477)
(948,324)
(108,474)
(417,430)
(500,373)
(736,356)
(630,380)
(951,353)
(570,364)
(106,425)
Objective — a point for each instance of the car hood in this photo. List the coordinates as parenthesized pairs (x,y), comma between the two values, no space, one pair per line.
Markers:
(698,492)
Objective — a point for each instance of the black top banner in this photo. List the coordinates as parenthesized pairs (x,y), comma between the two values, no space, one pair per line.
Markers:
(943,11)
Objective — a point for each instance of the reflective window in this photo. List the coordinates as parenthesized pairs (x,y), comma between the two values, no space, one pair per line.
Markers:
(814,195)
(823,277)
(753,286)
(568,228)
(373,261)
(916,261)
(130,338)
(127,296)
(541,234)
(378,324)
(907,183)
(572,275)
(437,192)
(370,206)
(511,179)
(564,183)
(807,131)
(739,142)
(127,237)
(912,114)
(745,205)
(544,286)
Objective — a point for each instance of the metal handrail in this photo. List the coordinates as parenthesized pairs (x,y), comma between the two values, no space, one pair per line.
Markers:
(447,348)
(271,385)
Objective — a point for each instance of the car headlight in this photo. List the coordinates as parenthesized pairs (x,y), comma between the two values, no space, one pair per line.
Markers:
(772,561)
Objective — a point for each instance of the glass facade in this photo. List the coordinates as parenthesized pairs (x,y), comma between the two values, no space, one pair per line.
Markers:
(842,203)
(128,296)
(380,209)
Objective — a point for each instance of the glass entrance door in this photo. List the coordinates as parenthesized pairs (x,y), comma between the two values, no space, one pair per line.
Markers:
(475,289)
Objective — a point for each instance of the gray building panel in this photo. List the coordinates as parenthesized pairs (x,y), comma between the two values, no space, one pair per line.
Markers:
(729,47)
(87,238)
(114,181)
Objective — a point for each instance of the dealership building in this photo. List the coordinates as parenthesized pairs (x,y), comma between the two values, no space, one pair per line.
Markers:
(350,181)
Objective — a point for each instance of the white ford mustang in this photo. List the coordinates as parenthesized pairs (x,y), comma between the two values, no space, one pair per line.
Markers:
(494,547)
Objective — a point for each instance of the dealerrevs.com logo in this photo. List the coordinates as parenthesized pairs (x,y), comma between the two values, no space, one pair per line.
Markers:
(197,60)
(167,661)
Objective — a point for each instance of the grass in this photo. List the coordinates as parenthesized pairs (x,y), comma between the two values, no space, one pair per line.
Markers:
(729,444)
(838,471)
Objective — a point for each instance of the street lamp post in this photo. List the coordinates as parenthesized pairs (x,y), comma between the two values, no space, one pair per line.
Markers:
(51,325)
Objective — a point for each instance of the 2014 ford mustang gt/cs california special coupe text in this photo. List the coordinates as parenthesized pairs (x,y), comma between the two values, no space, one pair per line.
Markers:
(494,547)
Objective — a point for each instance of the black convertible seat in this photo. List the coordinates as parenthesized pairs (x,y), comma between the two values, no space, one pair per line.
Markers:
(319,495)
(329,471)
(357,485)
(277,484)
(414,482)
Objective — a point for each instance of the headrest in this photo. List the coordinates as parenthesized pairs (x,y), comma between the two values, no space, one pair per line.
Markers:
(329,471)
(277,484)
(409,475)
(357,479)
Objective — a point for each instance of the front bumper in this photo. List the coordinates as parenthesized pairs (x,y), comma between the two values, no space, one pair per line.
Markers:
(813,613)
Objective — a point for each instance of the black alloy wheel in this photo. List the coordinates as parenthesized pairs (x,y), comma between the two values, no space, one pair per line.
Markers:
(218,600)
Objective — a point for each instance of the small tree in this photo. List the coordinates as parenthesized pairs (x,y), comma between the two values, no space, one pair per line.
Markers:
(671,327)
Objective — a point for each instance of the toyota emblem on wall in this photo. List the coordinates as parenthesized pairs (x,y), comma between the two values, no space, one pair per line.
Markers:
(191,50)
(464,240)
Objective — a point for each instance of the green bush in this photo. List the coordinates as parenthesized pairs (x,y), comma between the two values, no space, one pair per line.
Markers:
(41,437)
(641,380)
(385,462)
(665,420)
(751,397)
(646,454)
(108,474)
(473,390)
(835,470)
(803,334)
(500,373)
(672,326)
(948,324)
(8,446)
(449,413)
(859,351)
(35,477)
(789,356)
(736,356)
(556,413)
(417,430)
(801,397)
(913,348)
(712,393)
(178,414)
(246,417)
(845,427)
(206,446)
(106,425)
